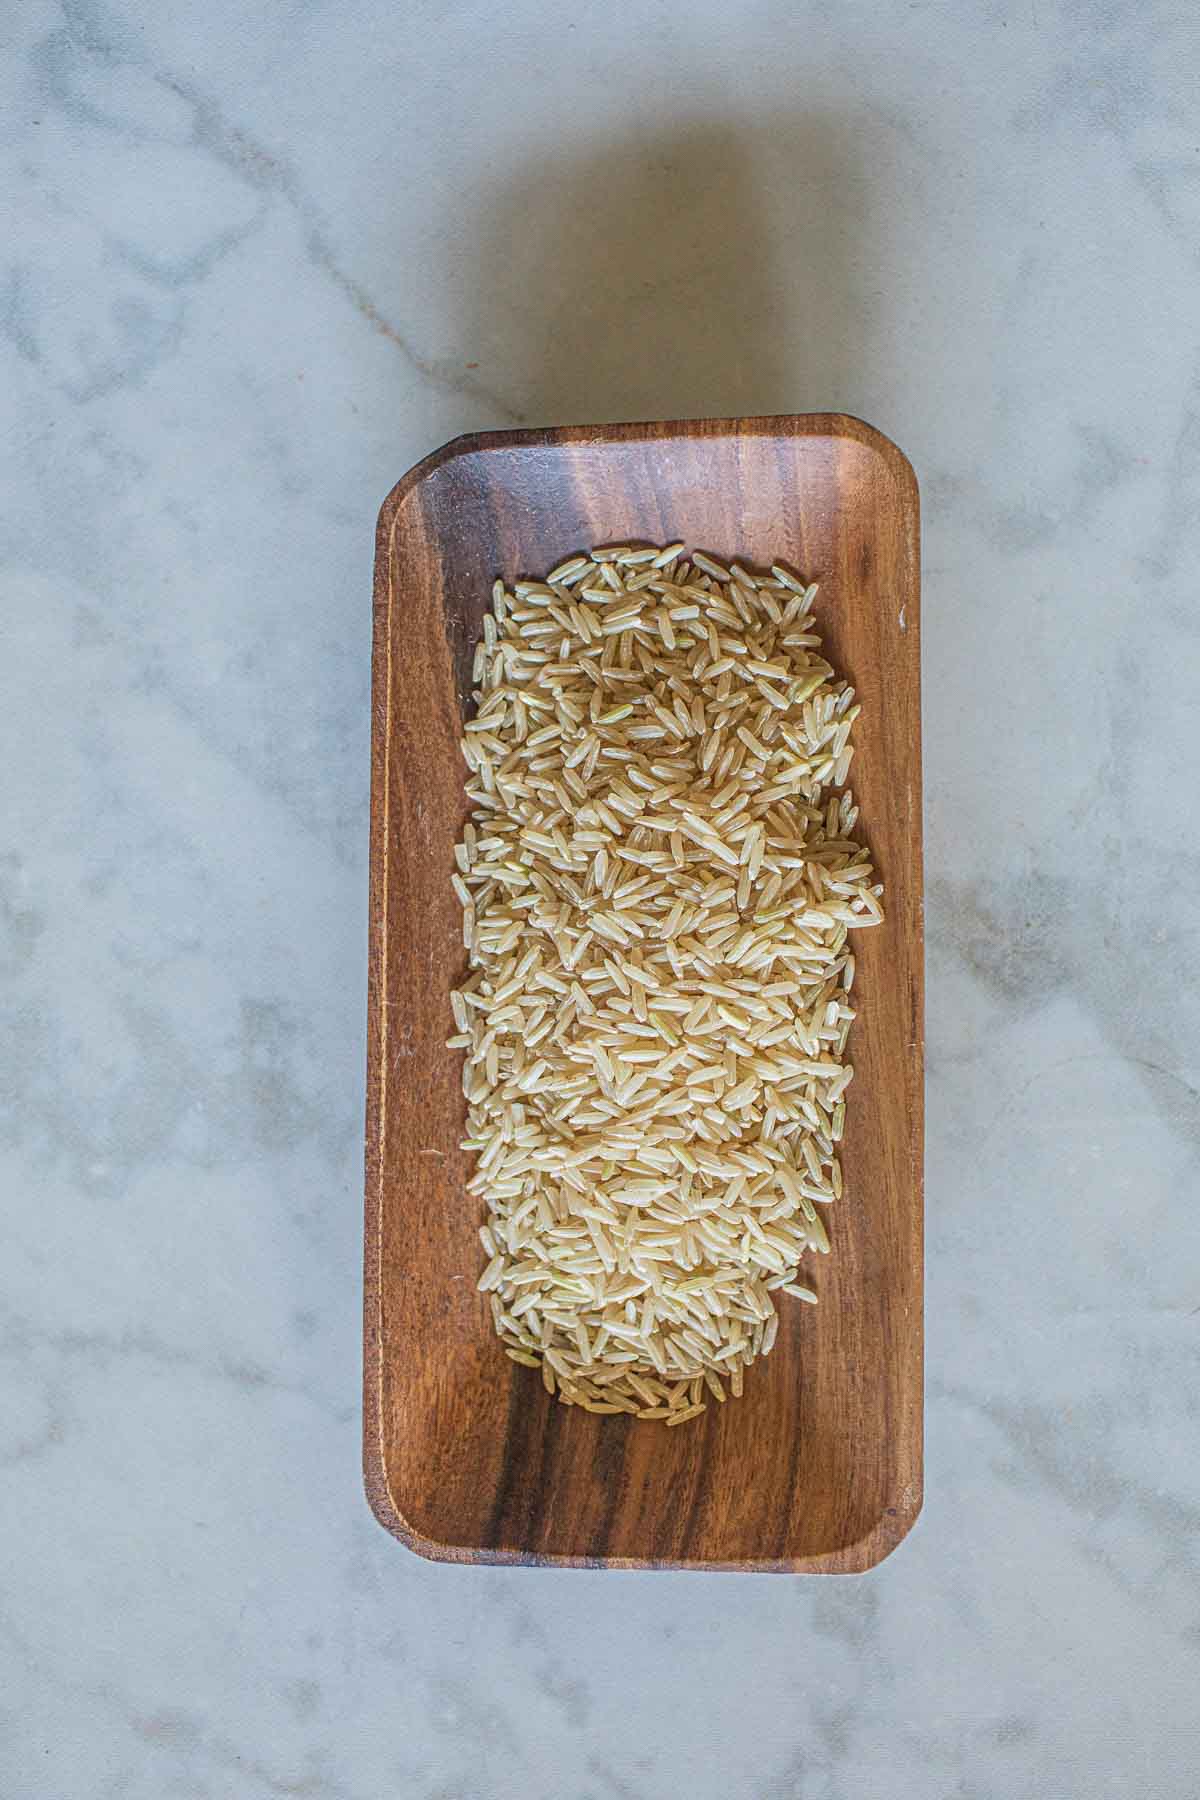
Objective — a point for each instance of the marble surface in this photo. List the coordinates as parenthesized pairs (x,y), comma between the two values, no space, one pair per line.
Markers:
(258,260)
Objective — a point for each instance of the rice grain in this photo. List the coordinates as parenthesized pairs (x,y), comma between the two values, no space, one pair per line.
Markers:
(658,887)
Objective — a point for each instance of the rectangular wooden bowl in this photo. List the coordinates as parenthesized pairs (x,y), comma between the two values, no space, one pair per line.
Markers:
(818,1467)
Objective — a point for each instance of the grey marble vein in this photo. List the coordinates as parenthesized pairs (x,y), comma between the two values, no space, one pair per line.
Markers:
(256,262)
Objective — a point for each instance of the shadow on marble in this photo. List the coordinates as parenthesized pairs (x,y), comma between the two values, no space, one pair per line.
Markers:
(713,270)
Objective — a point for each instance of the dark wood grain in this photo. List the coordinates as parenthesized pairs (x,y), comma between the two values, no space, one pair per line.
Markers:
(818,1467)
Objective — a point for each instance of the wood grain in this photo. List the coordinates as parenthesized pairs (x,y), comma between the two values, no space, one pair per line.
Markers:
(818,1467)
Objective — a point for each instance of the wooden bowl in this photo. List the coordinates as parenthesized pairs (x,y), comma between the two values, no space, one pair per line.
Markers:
(818,1466)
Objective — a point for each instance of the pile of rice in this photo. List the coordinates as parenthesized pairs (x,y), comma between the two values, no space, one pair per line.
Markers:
(658,885)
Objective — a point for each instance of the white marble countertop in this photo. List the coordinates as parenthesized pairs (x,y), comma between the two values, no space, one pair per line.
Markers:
(260,259)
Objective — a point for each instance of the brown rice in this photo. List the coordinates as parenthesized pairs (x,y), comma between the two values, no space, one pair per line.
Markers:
(658,887)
